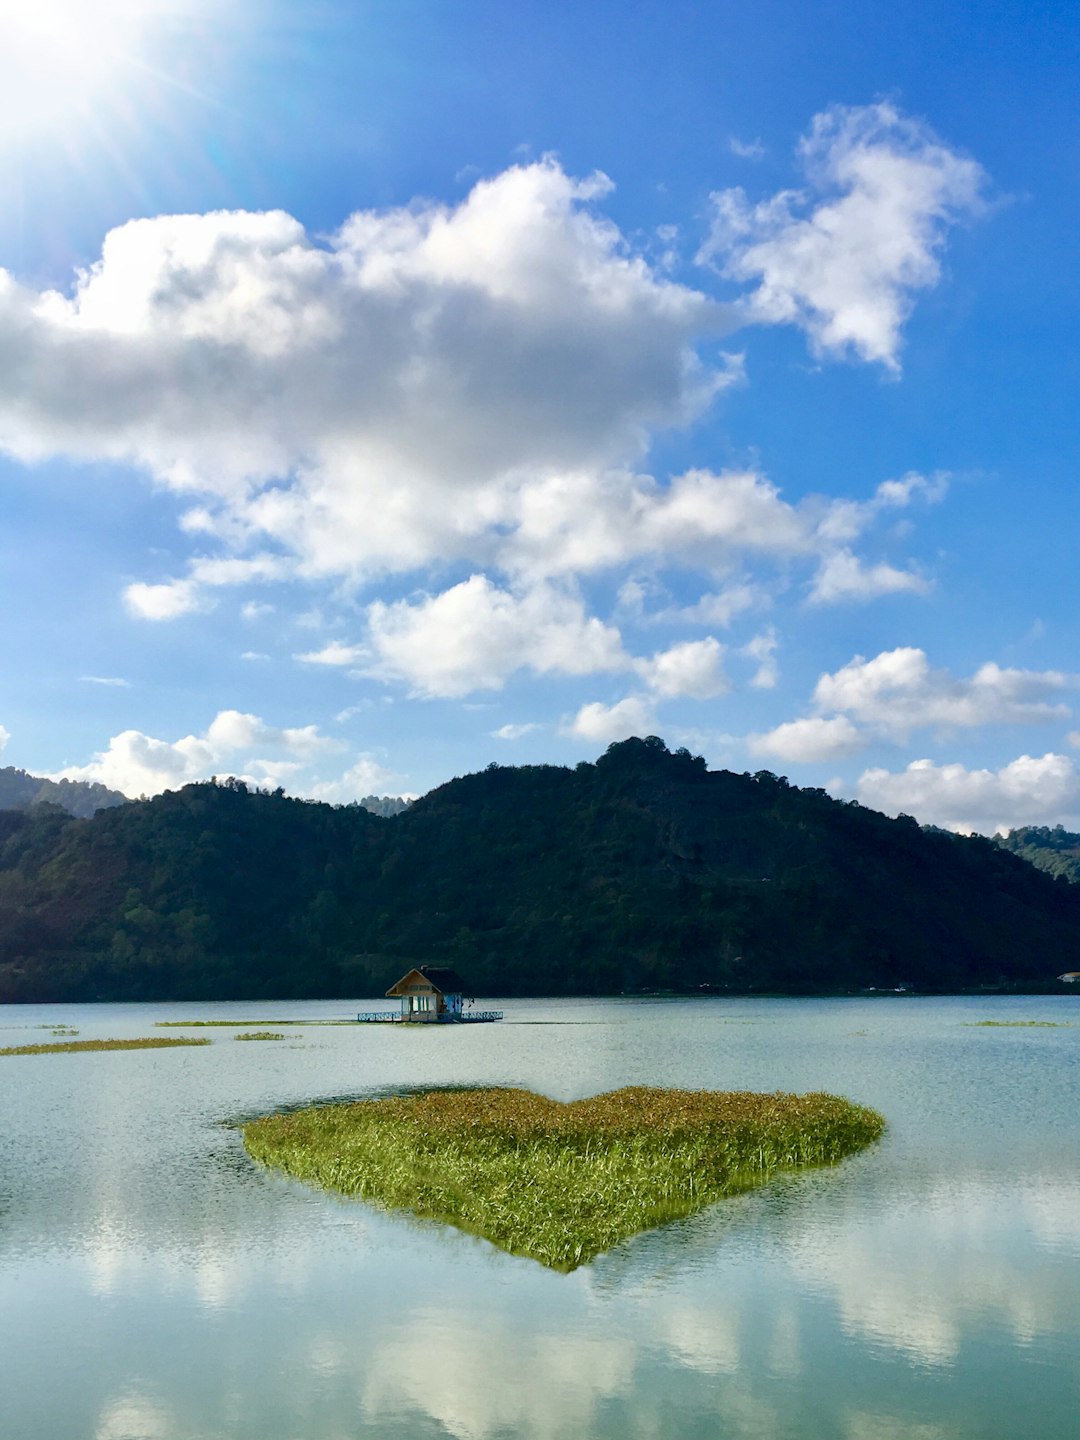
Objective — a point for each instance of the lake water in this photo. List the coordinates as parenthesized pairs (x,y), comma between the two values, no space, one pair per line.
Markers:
(155,1285)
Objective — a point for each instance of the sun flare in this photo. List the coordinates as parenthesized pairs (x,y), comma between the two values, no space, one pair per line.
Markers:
(59,57)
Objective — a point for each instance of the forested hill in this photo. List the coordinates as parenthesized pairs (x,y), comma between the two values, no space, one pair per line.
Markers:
(643,870)
(1057,851)
(19,791)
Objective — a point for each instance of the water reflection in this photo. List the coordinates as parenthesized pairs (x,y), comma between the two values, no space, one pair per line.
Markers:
(478,1379)
(169,1290)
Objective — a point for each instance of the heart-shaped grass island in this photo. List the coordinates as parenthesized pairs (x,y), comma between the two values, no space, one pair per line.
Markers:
(559,1182)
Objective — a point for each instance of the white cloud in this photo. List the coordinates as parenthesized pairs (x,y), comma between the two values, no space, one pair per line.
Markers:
(175,597)
(474,635)
(366,777)
(844,257)
(5,736)
(1028,791)
(762,648)
(167,601)
(234,742)
(898,691)
(472,1385)
(113,681)
(581,522)
(713,608)
(1073,738)
(812,739)
(371,403)
(254,656)
(335,653)
(255,609)
(693,668)
(605,723)
(746,149)
(843,576)
(515,732)
(846,520)
(585,522)
(467,384)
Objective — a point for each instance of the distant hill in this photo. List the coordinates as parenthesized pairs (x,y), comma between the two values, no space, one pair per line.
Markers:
(642,871)
(19,791)
(1057,851)
(385,805)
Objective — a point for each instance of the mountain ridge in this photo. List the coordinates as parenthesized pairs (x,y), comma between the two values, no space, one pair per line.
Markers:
(643,870)
(19,790)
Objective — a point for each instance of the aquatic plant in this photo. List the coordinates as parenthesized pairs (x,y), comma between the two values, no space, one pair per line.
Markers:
(559,1183)
(259,1035)
(154,1042)
(1018,1024)
(236,1024)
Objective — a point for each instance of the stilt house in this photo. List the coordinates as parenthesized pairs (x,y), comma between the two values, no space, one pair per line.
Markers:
(430,994)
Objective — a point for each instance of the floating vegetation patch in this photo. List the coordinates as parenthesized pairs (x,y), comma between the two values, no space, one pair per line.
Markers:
(1019,1024)
(559,1183)
(259,1035)
(237,1024)
(154,1042)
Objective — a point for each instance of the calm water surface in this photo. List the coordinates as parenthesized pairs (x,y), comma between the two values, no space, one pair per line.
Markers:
(154,1285)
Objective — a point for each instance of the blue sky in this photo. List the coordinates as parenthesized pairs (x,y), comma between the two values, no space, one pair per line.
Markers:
(386,389)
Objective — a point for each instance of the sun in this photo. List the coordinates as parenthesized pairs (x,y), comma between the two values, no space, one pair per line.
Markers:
(58,56)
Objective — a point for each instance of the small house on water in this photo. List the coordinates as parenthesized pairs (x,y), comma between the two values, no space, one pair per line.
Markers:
(431,995)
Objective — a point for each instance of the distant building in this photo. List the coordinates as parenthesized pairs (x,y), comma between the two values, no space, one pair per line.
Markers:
(430,994)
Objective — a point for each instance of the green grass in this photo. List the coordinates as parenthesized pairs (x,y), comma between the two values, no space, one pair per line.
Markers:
(559,1183)
(1019,1024)
(260,1035)
(154,1042)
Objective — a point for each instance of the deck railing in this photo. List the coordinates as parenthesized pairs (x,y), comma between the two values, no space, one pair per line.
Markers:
(425,1017)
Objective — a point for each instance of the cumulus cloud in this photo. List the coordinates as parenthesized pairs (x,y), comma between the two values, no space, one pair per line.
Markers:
(474,635)
(234,742)
(166,601)
(334,396)
(814,738)
(365,778)
(5,736)
(470,384)
(899,691)
(693,668)
(844,256)
(1031,790)
(585,522)
(606,723)
(843,576)
(172,598)
(846,520)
